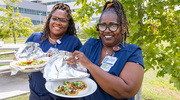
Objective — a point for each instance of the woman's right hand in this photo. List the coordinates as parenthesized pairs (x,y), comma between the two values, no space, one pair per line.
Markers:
(79,57)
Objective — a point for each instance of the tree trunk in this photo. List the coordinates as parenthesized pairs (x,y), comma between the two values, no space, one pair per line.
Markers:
(140,14)
(14,38)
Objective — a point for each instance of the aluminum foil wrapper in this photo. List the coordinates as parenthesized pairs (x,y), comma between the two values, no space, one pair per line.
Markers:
(30,50)
(58,69)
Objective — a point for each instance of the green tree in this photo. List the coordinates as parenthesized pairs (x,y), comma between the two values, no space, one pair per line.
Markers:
(37,28)
(154,26)
(13,24)
(89,31)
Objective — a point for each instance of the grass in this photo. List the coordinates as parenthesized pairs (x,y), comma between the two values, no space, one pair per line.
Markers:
(158,88)
(9,56)
(18,40)
(22,97)
(153,88)
(11,40)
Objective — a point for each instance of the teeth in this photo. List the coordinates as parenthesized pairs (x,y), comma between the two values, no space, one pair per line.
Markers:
(108,36)
(56,27)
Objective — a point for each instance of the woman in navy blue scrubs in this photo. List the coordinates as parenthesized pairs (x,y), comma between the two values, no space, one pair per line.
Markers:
(116,66)
(59,33)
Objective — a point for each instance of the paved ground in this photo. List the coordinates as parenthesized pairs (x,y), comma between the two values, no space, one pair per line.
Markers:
(11,86)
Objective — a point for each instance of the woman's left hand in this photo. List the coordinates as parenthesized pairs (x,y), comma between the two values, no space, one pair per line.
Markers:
(80,57)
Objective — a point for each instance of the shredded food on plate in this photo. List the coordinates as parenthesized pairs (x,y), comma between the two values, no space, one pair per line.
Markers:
(72,88)
(30,62)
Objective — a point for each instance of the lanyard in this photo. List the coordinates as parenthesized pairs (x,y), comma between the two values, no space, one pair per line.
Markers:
(55,46)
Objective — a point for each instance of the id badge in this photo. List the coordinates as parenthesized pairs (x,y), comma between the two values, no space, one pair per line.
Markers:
(52,50)
(108,62)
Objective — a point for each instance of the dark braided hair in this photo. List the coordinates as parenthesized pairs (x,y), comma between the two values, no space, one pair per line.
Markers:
(116,6)
(71,27)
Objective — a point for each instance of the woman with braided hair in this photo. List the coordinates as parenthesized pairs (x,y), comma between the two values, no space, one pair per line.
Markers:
(58,33)
(116,66)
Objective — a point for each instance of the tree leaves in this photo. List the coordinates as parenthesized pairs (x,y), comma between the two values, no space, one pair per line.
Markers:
(90,31)
(154,26)
(13,24)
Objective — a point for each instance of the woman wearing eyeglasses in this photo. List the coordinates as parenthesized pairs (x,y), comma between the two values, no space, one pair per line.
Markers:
(59,33)
(116,66)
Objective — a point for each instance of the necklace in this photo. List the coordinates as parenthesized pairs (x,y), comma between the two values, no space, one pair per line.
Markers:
(51,39)
(106,52)
(115,49)
(57,41)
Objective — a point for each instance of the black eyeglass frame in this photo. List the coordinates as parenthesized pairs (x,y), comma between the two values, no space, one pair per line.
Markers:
(107,26)
(59,19)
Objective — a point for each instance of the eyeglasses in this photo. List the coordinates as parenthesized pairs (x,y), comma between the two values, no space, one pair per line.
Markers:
(56,19)
(112,27)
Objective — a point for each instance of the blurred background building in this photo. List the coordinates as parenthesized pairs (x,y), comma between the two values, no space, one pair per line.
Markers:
(37,10)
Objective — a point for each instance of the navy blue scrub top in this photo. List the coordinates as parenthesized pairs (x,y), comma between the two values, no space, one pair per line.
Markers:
(127,53)
(68,43)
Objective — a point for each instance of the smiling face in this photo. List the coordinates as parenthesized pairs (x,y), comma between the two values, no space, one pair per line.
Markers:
(108,37)
(57,25)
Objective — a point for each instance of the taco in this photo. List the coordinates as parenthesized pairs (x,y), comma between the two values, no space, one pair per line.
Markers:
(72,88)
(79,85)
(66,90)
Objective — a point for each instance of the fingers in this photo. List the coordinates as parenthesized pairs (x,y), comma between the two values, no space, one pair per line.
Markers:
(72,60)
(75,53)
(78,55)
(74,57)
